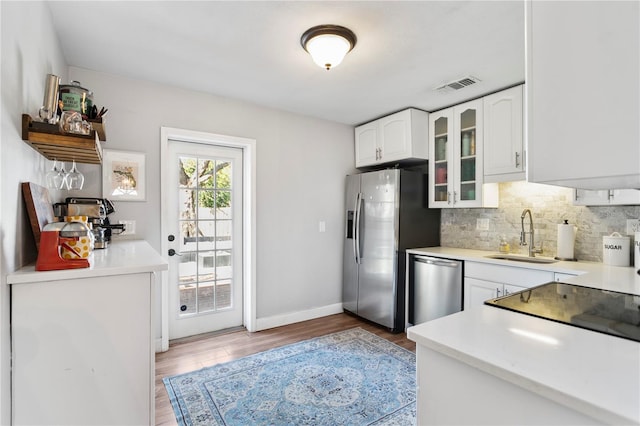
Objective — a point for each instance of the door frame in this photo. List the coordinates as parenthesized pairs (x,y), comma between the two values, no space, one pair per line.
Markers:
(248,147)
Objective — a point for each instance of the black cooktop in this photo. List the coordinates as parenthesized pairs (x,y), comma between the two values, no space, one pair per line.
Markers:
(610,312)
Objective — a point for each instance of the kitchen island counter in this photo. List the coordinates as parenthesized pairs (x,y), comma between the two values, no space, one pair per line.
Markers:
(591,373)
(487,365)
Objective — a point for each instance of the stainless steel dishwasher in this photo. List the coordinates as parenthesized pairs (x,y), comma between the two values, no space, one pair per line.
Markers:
(436,290)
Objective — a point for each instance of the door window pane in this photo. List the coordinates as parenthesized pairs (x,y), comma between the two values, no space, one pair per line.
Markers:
(223,294)
(188,299)
(188,232)
(187,268)
(187,170)
(206,296)
(223,175)
(206,172)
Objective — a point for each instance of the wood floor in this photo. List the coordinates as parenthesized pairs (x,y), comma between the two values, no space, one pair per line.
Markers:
(193,353)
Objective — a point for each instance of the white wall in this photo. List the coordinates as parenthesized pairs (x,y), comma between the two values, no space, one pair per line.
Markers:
(30,51)
(301,164)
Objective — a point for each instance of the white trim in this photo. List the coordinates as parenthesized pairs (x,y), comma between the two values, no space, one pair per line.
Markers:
(159,344)
(293,317)
(248,147)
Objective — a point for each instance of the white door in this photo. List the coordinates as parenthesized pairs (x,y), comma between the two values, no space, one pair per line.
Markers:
(204,215)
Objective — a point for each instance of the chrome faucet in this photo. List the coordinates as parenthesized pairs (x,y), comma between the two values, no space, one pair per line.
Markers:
(523,235)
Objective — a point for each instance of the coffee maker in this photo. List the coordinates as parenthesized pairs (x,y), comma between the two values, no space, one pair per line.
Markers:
(97,211)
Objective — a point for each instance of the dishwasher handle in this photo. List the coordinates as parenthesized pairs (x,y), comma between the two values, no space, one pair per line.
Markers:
(436,261)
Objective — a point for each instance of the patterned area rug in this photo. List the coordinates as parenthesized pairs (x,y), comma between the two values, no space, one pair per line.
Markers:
(348,378)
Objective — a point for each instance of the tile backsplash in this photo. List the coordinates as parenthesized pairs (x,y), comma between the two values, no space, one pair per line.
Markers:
(550,206)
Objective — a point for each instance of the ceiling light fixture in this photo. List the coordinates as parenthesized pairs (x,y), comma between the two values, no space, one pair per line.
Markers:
(328,44)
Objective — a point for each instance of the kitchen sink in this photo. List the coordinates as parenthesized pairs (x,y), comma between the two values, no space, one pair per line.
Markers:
(520,258)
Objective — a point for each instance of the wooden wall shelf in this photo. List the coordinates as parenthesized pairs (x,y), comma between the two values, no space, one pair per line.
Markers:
(55,145)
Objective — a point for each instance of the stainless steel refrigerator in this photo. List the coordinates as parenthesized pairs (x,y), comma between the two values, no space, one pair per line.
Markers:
(385,213)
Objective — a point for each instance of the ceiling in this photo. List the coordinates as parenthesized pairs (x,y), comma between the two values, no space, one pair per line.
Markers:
(251,50)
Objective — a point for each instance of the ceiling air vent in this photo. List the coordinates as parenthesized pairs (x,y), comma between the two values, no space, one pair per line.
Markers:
(458,84)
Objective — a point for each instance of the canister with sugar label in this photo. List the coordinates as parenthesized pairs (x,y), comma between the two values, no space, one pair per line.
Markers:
(616,250)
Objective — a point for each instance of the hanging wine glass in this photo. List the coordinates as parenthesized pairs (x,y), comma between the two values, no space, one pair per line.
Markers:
(53,176)
(62,177)
(74,179)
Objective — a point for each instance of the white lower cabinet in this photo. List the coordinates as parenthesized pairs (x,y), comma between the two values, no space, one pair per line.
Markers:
(477,291)
(483,281)
(83,351)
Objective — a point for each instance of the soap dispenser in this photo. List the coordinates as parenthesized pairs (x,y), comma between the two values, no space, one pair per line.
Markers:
(504,245)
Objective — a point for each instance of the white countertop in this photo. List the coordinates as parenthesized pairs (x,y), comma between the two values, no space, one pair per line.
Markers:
(121,257)
(591,372)
(589,274)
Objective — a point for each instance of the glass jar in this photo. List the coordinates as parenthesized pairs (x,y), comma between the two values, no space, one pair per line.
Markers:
(76,98)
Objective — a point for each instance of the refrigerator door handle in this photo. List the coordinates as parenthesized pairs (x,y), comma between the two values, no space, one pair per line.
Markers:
(356,228)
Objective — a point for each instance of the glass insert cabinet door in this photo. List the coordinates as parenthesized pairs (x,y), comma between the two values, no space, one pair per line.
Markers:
(441,163)
(468,158)
(455,166)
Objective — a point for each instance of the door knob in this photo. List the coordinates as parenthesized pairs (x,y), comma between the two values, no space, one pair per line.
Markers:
(172,252)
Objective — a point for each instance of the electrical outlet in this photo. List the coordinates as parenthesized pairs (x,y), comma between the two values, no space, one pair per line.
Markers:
(482,224)
(633,226)
(129,227)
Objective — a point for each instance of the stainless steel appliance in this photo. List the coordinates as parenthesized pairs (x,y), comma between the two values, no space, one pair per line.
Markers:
(436,289)
(385,213)
(610,312)
(97,211)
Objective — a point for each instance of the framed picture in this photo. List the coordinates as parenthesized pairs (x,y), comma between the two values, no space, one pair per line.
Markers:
(123,175)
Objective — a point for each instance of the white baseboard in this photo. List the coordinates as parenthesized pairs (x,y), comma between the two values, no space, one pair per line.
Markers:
(279,320)
(293,317)
(159,347)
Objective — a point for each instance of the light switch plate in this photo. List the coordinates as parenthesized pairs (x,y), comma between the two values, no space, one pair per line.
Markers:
(633,226)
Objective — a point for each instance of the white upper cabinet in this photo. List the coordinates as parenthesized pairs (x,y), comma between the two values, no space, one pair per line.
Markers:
(606,197)
(456,153)
(367,137)
(503,136)
(583,93)
(397,137)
